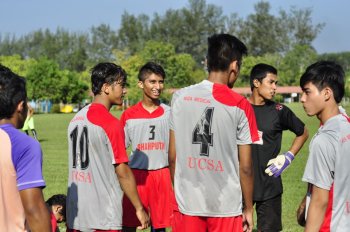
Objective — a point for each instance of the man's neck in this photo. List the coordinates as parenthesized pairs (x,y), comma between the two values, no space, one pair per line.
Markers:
(219,77)
(328,112)
(150,104)
(8,121)
(256,99)
(103,101)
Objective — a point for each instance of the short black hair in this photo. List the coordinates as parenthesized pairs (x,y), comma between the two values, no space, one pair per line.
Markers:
(223,49)
(12,92)
(151,68)
(106,73)
(325,74)
(58,199)
(259,72)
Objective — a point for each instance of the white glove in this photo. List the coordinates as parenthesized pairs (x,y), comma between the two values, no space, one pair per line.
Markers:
(277,165)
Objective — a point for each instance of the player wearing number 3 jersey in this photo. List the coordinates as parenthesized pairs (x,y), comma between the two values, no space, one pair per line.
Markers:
(212,128)
(146,128)
(98,170)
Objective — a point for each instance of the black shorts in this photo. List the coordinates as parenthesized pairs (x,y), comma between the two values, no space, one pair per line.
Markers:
(269,214)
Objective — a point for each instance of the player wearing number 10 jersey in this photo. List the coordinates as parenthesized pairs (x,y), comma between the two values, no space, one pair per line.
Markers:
(146,128)
(96,155)
(212,128)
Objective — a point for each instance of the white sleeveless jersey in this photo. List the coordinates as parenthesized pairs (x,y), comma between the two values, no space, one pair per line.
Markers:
(209,121)
(94,198)
(148,135)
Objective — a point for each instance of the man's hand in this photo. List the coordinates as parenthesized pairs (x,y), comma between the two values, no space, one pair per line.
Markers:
(247,220)
(277,165)
(143,218)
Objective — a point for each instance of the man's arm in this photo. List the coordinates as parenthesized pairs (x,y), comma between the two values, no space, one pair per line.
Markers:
(299,141)
(35,210)
(317,209)
(128,185)
(276,166)
(172,155)
(246,174)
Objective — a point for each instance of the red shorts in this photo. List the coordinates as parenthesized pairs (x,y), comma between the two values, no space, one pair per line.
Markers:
(186,223)
(155,190)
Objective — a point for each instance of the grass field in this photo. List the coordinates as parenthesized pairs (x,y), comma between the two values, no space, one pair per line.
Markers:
(52,133)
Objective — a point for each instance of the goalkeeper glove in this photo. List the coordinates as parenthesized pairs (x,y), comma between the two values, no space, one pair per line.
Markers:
(277,165)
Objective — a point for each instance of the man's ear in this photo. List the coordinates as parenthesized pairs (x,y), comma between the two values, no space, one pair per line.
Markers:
(105,88)
(56,208)
(140,84)
(256,83)
(234,67)
(22,106)
(327,93)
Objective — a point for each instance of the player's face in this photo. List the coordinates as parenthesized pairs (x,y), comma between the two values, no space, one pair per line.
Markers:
(312,99)
(118,91)
(152,86)
(268,86)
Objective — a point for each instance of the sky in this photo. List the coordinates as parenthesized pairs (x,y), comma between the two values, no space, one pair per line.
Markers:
(19,17)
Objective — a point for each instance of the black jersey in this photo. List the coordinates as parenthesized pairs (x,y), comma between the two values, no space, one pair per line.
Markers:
(272,119)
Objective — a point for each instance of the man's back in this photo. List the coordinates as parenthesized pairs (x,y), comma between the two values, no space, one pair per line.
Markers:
(209,121)
(12,216)
(94,194)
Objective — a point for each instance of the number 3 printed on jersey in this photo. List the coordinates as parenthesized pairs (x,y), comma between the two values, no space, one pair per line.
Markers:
(202,131)
(80,157)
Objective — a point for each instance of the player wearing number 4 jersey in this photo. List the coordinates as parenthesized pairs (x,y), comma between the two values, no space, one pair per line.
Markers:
(146,127)
(98,170)
(212,128)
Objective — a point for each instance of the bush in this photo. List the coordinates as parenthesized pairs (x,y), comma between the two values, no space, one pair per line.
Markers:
(55,108)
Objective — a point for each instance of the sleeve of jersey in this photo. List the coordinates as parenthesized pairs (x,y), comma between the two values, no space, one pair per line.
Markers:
(320,164)
(172,105)
(291,122)
(124,128)
(247,127)
(28,167)
(116,138)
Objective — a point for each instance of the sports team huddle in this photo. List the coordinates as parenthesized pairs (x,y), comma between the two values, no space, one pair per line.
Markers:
(204,162)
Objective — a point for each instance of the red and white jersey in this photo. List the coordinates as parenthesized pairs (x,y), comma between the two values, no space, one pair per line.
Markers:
(327,167)
(209,121)
(94,199)
(148,135)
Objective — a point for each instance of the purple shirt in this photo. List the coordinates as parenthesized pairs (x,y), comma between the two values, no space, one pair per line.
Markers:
(26,157)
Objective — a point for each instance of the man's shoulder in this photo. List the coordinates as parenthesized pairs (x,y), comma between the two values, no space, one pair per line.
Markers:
(132,109)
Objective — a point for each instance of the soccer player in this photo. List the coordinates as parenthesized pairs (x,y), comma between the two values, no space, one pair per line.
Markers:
(327,168)
(57,208)
(98,170)
(29,123)
(212,128)
(146,128)
(21,178)
(272,119)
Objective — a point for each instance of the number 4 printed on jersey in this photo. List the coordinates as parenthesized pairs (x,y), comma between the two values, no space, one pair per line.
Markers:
(202,132)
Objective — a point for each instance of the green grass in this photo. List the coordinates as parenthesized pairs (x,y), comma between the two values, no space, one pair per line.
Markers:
(52,133)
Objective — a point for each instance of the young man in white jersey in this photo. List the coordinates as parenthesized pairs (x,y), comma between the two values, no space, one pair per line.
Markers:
(211,129)
(272,118)
(327,169)
(98,169)
(146,128)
